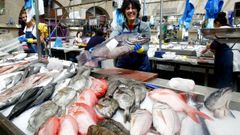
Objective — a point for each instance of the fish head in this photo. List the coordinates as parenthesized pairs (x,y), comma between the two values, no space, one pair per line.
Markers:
(137,39)
(219,99)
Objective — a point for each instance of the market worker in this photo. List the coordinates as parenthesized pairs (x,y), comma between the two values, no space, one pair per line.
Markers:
(31,35)
(223,68)
(138,59)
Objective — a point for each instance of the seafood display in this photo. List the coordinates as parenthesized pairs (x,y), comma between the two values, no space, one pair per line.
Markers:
(71,101)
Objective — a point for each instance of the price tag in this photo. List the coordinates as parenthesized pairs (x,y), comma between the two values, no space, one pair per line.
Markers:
(112,44)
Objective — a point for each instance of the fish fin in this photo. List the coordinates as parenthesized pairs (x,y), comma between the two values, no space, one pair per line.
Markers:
(83,57)
(193,117)
(192,112)
(232,114)
(203,115)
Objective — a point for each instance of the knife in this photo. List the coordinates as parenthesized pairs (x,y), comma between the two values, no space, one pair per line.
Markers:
(151,86)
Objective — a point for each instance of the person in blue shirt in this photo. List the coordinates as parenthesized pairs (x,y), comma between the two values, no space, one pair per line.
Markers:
(138,59)
(96,39)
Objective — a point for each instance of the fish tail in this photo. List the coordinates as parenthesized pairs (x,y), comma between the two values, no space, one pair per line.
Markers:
(203,115)
(191,113)
(85,58)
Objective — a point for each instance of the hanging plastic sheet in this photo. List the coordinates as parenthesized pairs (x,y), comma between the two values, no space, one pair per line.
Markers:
(187,15)
(118,18)
(29,6)
(213,7)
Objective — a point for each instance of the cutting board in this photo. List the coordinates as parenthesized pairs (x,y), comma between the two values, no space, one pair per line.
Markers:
(126,73)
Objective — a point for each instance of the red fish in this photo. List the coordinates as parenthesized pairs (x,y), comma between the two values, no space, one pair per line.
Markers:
(51,127)
(99,86)
(85,117)
(177,103)
(69,126)
(87,97)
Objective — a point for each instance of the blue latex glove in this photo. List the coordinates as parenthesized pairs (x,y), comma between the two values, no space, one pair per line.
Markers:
(22,39)
(90,50)
(138,48)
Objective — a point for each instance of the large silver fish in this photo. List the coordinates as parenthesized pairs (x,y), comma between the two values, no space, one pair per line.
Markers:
(218,102)
(11,95)
(11,79)
(112,48)
(64,97)
(125,98)
(41,115)
(65,73)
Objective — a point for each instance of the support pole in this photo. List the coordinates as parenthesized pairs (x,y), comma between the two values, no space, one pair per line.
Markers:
(161,16)
(144,8)
(39,47)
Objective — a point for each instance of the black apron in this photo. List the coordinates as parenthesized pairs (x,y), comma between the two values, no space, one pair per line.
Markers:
(223,65)
(134,61)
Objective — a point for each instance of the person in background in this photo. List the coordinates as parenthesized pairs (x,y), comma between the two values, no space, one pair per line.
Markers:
(138,59)
(144,18)
(97,38)
(223,61)
(30,36)
(79,39)
(22,22)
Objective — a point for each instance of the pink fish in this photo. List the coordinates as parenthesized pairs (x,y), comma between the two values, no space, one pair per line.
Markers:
(176,102)
(84,115)
(88,97)
(99,86)
(69,126)
(51,127)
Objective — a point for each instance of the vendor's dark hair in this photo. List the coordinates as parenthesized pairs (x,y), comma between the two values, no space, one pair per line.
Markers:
(221,18)
(135,3)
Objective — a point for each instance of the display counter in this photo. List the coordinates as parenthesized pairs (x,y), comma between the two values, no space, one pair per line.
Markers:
(189,64)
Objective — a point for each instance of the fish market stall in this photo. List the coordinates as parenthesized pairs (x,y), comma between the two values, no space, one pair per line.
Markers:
(61,97)
(70,99)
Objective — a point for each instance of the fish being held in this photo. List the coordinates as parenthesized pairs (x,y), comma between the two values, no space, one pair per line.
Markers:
(218,102)
(112,48)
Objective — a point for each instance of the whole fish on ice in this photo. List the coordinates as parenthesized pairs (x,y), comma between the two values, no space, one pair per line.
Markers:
(112,48)
(114,126)
(177,103)
(11,79)
(165,120)
(11,95)
(107,107)
(141,121)
(41,115)
(125,98)
(218,102)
